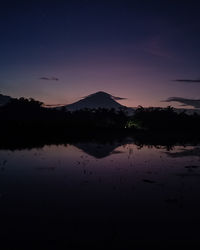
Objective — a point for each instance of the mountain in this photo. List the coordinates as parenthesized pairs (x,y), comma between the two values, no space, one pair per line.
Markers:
(97,100)
(4,99)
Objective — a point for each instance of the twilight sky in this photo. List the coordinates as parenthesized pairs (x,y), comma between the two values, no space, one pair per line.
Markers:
(60,51)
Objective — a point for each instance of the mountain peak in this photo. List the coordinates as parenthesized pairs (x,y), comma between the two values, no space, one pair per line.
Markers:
(96,100)
(100,93)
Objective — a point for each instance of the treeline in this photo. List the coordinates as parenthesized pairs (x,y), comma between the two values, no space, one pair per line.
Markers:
(163,119)
(25,114)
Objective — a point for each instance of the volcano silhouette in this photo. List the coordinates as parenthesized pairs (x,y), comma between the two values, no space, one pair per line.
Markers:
(97,100)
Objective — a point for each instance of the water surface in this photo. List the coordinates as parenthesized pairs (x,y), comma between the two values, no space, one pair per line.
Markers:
(97,193)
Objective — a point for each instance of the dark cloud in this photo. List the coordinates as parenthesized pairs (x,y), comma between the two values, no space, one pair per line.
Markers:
(49,78)
(118,98)
(54,105)
(185,102)
(187,80)
(185,153)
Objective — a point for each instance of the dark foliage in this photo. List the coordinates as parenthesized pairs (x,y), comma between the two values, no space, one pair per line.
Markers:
(22,113)
(166,119)
(27,113)
(30,115)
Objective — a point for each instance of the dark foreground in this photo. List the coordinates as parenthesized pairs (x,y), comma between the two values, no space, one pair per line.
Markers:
(99,190)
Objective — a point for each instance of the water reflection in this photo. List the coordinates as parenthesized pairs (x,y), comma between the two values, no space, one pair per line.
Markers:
(186,152)
(115,192)
(99,150)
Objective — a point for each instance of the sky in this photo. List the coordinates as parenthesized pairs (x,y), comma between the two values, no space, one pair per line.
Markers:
(60,51)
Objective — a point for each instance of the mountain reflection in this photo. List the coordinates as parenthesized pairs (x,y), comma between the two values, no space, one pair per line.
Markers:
(99,150)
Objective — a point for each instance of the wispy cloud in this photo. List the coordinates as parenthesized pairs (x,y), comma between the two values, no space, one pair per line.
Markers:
(186,80)
(117,98)
(156,46)
(53,78)
(185,102)
(53,105)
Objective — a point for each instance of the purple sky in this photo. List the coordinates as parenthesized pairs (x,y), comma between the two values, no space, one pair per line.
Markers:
(60,51)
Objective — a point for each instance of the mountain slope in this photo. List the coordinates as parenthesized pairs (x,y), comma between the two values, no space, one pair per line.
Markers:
(4,99)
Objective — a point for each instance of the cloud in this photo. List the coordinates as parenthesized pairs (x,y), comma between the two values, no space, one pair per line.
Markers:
(185,152)
(187,80)
(53,105)
(117,98)
(49,78)
(157,46)
(185,102)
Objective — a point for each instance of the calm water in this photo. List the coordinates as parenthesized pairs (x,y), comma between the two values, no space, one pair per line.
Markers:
(90,193)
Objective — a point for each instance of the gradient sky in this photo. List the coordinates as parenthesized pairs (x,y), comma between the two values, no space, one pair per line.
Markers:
(60,51)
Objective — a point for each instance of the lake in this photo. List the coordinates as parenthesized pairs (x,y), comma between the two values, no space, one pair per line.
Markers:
(99,193)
